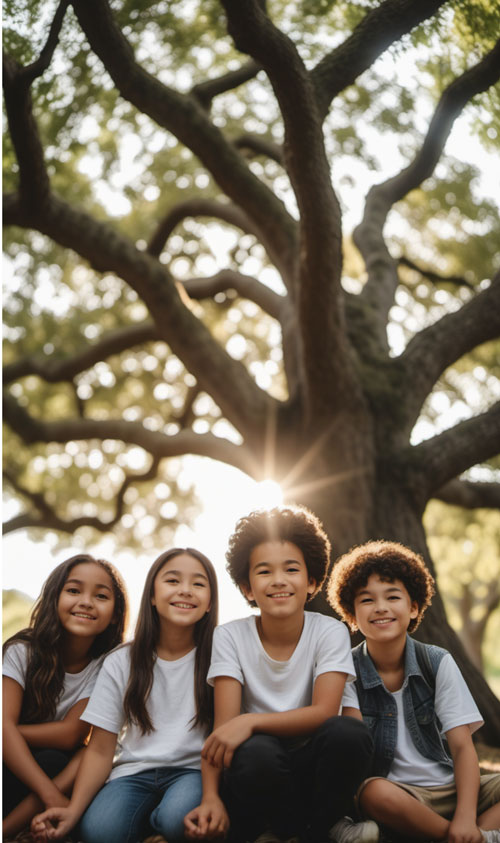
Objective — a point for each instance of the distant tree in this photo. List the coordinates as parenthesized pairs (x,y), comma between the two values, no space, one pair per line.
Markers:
(136,335)
(466,548)
(16,611)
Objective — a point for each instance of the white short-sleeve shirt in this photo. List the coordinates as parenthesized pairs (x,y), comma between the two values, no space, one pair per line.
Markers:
(76,686)
(269,685)
(454,706)
(171,706)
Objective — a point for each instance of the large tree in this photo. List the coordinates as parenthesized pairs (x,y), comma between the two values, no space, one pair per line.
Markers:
(123,335)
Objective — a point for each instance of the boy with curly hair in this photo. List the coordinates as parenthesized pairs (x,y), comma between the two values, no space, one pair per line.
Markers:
(425,781)
(292,765)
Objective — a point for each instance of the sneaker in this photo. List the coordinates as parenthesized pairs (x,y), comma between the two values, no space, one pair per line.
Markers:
(347,831)
(492,836)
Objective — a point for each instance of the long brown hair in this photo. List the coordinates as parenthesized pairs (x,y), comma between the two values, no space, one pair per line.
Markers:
(44,637)
(143,648)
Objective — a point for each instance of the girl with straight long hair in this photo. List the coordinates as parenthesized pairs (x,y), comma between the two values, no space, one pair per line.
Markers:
(151,711)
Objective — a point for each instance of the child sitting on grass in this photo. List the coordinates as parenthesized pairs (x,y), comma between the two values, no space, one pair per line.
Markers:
(425,781)
(291,765)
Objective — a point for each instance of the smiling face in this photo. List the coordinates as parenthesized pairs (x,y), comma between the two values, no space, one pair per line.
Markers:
(86,603)
(181,591)
(278,579)
(384,609)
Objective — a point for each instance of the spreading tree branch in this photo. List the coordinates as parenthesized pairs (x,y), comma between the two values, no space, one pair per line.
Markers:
(11,209)
(449,454)
(259,145)
(380,28)
(34,187)
(205,92)
(36,69)
(227,380)
(246,287)
(183,116)
(322,324)
(435,277)
(435,348)
(159,445)
(225,211)
(65,369)
(470,495)
(44,515)
(33,179)
(186,416)
(381,267)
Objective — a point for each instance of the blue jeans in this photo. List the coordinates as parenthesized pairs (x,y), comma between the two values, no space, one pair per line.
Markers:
(126,809)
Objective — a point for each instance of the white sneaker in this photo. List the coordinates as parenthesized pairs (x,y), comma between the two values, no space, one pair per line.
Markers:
(492,836)
(347,831)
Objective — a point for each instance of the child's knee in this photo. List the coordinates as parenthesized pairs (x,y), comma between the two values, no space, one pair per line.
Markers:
(258,761)
(346,735)
(375,792)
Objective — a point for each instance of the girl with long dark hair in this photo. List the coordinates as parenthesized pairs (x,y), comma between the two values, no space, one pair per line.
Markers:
(151,711)
(49,671)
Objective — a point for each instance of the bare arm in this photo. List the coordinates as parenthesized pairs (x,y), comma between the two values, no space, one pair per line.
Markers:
(463,827)
(210,818)
(23,813)
(224,740)
(67,734)
(96,765)
(16,752)
(349,711)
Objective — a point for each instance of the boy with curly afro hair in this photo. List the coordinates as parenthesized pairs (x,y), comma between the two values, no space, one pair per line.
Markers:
(425,781)
(389,561)
(294,524)
(278,679)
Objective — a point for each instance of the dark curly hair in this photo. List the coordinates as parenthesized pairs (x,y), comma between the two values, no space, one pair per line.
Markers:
(388,560)
(291,523)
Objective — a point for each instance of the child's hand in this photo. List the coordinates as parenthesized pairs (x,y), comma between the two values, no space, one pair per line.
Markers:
(220,746)
(462,832)
(52,824)
(208,820)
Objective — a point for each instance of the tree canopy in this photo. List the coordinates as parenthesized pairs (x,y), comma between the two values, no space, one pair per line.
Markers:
(234,230)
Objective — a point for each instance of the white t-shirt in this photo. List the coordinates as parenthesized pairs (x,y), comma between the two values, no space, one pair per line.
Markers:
(76,686)
(454,707)
(270,685)
(171,706)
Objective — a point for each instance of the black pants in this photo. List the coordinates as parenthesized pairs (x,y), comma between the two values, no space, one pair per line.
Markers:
(297,790)
(52,761)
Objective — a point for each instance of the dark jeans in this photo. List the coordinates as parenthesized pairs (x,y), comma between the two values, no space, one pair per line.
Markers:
(297,790)
(52,761)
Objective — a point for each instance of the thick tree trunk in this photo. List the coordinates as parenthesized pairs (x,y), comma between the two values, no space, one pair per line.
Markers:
(392,516)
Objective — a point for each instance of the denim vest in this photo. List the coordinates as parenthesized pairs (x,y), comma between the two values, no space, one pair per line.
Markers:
(379,710)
